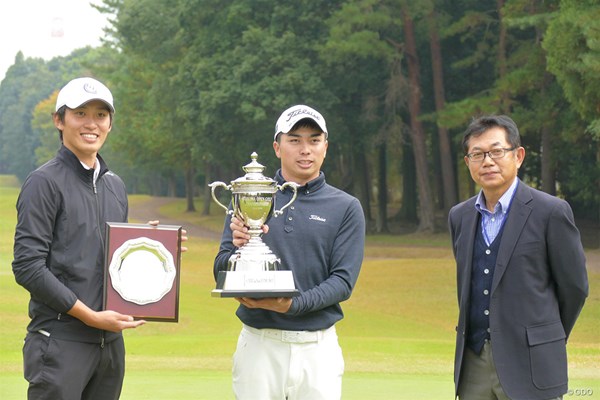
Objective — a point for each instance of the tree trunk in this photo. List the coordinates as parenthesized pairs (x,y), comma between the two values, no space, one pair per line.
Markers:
(382,226)
(156,187)
(206,190)
(548,163)
(502,68)
(362,185)
(171,186)
(426,209)
(548,170)
(450,196)
(408,210)
(189,188)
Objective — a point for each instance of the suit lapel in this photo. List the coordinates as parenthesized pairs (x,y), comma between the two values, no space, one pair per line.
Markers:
(517,217)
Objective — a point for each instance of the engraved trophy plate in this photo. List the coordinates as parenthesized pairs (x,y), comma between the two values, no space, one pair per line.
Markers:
(255,284)
(253,270)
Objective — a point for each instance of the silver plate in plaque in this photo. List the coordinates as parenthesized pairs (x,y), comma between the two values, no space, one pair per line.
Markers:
(142,270)
(254,270)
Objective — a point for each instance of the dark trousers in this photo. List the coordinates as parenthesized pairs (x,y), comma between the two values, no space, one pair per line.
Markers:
(65,370)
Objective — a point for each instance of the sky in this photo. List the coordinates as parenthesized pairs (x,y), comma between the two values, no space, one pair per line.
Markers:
(47,28)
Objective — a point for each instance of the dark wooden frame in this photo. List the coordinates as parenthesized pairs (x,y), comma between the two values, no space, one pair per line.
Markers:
(167,308)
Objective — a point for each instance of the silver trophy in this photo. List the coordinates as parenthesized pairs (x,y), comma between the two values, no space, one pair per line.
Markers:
(253,270)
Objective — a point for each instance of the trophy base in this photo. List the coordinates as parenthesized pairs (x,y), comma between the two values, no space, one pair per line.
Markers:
(258,284)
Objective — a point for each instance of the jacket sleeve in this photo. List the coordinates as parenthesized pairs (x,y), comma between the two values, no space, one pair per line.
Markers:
(37,210)
(567,262)
(452,228)
(226,249)
(346,262)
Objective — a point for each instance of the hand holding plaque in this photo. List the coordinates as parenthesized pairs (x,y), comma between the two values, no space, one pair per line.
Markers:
(253,270)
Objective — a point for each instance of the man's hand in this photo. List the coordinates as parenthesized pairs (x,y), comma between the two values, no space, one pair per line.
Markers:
(184,237)
(239,232)
(106,320)
(115,322)
(277,304)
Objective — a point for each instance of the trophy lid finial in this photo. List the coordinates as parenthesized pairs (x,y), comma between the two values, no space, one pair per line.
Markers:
(254,181)
(254,167)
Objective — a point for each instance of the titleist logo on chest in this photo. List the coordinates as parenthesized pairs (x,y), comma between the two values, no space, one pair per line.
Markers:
(317,218)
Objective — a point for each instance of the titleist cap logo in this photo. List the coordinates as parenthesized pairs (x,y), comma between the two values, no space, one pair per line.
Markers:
(303,111)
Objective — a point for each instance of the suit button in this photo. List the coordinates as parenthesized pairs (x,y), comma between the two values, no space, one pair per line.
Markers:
(487,312)
(486,292)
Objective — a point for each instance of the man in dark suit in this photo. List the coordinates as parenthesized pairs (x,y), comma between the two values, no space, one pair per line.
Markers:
(521,275)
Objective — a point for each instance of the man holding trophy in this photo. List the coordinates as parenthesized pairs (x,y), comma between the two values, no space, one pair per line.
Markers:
(288,347)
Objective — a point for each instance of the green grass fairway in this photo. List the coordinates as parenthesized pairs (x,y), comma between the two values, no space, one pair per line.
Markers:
(397,334)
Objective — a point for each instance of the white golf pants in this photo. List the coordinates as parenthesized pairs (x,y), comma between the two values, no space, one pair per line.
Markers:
(271,364)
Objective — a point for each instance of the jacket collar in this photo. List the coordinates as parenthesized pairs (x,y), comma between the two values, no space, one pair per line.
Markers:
(68,157)
(310,187)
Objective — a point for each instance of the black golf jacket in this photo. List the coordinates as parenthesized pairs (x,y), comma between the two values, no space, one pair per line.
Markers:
(59,242)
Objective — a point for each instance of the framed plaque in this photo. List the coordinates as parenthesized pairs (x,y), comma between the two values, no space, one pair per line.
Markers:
(142,269)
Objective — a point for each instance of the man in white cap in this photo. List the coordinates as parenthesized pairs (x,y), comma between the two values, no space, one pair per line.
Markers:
(288,347)
(73,349)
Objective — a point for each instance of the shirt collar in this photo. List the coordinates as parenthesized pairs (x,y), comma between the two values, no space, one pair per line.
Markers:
(96,168)
(311,186)
(503,203)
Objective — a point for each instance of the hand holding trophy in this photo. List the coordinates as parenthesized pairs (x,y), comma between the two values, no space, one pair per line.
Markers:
(253,270)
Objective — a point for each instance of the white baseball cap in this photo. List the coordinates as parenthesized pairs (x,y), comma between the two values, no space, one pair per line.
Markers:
(289,117)
(82,90)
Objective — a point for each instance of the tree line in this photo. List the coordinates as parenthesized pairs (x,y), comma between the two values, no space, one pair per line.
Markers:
(198,85)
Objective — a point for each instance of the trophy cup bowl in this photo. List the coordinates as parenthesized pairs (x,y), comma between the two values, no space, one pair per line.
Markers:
(254,270)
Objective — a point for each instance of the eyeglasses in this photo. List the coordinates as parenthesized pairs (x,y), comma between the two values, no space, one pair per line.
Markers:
(478,156)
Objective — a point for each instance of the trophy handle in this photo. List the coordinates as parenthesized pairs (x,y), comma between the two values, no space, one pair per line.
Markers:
(294,186)
(213,187)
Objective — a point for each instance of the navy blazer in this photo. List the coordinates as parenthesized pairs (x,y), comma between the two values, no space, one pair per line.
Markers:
(538,290)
